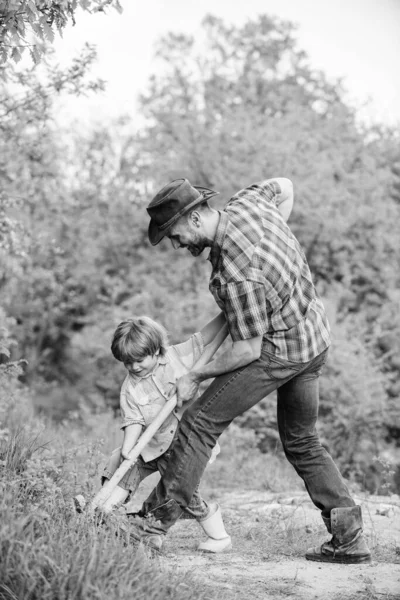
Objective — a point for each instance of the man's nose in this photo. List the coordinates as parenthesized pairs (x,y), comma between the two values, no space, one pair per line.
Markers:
(175,244)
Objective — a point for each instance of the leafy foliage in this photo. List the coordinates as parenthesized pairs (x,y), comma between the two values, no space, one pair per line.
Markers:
(32,189)
(248,106)
(21,20)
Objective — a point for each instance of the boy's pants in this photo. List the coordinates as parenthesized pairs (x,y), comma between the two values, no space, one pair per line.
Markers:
(197,508)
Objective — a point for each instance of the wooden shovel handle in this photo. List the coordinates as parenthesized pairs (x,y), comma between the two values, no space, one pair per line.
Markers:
(150,431)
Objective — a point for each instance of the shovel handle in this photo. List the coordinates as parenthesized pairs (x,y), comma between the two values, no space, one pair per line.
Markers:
(150,431)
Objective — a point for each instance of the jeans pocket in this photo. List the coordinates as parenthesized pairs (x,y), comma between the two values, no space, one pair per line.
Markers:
(278,368)
(318,363)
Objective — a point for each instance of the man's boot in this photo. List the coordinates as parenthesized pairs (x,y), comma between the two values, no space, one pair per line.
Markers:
(347,545)
(146,530)
(218,540)
(152,529)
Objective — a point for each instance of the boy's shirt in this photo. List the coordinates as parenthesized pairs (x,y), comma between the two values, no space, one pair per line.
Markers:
(142,398)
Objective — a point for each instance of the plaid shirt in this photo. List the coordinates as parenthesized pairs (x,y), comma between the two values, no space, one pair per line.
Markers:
(261,280)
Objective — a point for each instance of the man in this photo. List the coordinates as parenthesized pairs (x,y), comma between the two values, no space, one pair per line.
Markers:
(261,281)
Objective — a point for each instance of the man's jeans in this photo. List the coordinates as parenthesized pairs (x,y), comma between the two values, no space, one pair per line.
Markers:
(229,396)
(197,508)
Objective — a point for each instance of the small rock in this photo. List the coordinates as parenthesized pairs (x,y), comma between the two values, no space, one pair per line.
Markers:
(385,510)
(292,500)
(270,508)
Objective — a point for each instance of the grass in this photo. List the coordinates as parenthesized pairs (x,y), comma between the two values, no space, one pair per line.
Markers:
(241,465)
(47,552)
(368,594)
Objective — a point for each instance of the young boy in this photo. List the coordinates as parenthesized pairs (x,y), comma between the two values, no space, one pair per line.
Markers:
(153,368)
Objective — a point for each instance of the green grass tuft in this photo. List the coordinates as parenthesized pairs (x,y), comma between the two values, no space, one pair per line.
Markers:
(47,552)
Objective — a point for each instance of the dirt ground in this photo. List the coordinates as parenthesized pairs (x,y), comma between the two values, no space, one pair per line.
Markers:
(270,533)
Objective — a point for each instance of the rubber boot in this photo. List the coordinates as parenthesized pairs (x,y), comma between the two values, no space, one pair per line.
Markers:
(347,545)
(79,503)
(218,540)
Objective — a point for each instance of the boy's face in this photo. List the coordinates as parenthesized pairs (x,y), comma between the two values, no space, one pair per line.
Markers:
(141,368)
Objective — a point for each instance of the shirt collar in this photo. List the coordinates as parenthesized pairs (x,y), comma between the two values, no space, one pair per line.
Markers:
(219,238)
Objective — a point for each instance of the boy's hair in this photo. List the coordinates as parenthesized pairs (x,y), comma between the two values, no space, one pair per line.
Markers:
(136,338)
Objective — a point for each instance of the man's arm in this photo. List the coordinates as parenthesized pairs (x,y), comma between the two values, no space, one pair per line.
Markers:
(284,197)
(209,331)
(240,354)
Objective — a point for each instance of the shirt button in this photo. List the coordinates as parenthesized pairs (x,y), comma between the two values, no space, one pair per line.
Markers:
(172,431)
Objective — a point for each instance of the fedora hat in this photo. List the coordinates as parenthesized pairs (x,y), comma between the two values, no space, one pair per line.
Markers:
(171,203)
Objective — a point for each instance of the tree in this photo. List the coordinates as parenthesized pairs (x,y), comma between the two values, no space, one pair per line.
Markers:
(21,20)
(243,107)
(247,106)
(33,197)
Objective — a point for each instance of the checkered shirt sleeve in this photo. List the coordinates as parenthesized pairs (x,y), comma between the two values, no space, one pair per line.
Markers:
(245,307)
(261,280)
(268,191)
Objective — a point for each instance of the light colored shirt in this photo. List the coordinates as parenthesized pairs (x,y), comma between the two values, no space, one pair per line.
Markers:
(142,398)
(261,279)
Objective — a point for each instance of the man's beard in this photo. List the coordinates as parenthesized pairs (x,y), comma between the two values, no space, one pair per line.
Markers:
(196,249)
(197,246)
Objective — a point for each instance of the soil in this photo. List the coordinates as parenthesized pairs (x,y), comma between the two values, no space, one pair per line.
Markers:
(270,533)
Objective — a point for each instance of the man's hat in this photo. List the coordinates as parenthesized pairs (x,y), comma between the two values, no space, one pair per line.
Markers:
(171,203)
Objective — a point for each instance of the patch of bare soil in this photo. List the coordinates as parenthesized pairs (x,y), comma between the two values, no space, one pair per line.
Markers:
(270,533)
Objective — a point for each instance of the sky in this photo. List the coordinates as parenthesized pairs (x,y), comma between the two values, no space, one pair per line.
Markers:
(357,40)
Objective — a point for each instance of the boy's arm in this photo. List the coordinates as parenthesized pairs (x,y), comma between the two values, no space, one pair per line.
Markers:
(131,436)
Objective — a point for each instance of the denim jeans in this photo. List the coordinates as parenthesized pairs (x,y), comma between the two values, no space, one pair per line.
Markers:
(229,396)
(197,509)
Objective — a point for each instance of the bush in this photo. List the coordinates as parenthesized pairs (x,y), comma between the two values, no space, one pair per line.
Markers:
(47,551)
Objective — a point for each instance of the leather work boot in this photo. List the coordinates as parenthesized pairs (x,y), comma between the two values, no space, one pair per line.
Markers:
(143,529)
(218,540)
(347,545)
(152,528)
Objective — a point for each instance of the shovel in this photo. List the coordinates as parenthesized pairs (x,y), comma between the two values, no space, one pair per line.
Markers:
(150,431)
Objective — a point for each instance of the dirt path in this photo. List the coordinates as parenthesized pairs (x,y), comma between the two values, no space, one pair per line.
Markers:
(270,533)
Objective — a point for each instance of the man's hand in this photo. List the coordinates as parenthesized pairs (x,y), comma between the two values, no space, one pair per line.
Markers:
(284,199)
(186,388)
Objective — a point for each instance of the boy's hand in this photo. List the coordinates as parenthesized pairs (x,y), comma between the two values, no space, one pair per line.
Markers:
(186,388)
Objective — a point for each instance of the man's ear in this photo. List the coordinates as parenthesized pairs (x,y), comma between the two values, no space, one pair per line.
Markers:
(195,218)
